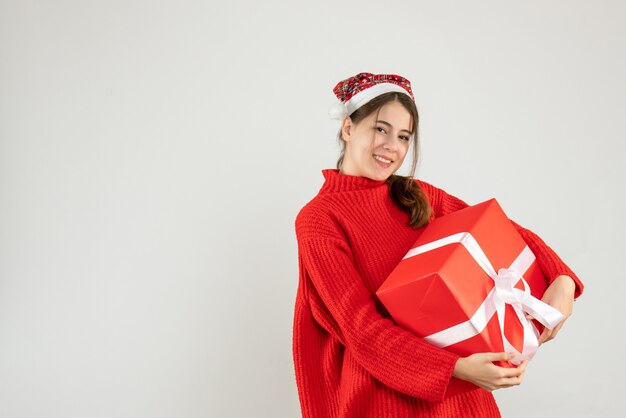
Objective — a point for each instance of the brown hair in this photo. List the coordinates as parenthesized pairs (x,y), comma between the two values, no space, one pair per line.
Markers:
(404,190)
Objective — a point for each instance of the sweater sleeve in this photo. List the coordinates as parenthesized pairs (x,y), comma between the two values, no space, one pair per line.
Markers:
(549,262)
(343,305)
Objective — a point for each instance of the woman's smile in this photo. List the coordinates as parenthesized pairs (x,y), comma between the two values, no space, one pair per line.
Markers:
(382,162)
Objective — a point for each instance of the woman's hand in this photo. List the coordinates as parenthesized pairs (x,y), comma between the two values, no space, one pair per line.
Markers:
(559,295)
(479,369)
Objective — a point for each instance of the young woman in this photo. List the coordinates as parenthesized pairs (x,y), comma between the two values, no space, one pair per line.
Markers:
(351,359)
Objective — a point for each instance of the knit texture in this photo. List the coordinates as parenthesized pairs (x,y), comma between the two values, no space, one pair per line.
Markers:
(350,358)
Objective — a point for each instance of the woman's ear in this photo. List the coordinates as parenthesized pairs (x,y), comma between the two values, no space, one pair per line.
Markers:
(346,128)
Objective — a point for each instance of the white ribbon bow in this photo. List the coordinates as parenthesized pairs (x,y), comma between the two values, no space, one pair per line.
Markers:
(502,294)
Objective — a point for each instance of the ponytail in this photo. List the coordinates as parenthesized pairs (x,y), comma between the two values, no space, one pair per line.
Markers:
(408,196)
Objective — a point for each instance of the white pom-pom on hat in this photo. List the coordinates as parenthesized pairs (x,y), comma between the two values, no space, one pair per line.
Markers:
(338,111)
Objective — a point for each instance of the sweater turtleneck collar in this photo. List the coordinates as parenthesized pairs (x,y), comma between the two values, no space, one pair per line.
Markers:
(336,181)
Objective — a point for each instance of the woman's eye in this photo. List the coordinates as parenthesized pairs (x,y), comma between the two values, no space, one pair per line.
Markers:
(406,138)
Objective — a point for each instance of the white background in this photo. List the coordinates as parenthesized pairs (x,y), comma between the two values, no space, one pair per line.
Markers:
(154,155)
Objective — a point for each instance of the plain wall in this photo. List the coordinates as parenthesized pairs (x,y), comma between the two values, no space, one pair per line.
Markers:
(154,155)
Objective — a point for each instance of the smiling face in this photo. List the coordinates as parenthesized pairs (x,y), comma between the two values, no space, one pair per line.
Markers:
(377,138)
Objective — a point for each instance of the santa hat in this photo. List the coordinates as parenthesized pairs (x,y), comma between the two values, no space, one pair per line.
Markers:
(355,91)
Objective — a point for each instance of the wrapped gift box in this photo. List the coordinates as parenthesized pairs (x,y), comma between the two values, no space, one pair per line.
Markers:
(466,285)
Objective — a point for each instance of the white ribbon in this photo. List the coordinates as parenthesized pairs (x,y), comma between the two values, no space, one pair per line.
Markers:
(502,294)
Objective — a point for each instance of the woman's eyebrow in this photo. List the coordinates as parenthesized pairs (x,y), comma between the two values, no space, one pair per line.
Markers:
(388,124)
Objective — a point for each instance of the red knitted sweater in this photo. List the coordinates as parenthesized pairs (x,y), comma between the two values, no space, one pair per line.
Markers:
(350,358)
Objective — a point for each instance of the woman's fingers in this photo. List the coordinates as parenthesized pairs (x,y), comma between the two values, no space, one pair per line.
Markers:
(479,369)
(546,335)
(513,376)
(498,356)
(557,328)
(523,365)
(519,369)
(506,382)
(550,334)
(507,372)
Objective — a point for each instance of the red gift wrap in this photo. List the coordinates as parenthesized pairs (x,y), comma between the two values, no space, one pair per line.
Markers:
(466,285)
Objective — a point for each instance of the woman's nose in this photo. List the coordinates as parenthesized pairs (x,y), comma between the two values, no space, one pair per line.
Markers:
(389,144)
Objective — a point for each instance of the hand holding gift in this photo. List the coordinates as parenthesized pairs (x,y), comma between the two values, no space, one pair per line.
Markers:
(560,295)
(469,284)
(480,370)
